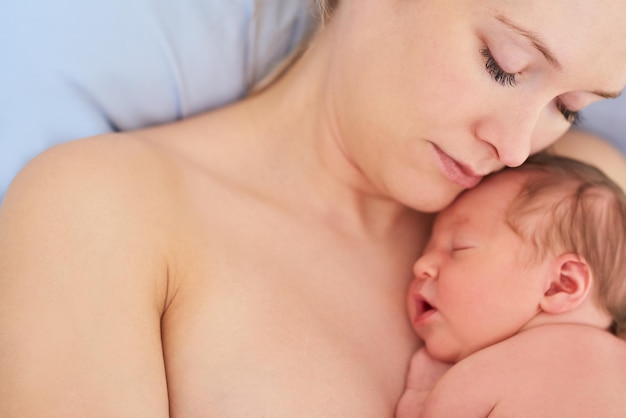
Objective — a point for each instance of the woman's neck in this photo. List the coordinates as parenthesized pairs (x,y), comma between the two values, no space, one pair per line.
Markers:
(290,127)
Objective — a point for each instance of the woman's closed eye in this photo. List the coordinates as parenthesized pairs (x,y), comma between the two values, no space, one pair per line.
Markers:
(496,72)
(509,80)
(570,116)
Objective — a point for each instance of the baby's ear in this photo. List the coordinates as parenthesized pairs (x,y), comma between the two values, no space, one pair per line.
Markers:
(569,286)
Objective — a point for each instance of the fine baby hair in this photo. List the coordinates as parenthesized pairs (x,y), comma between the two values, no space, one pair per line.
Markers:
(568,206)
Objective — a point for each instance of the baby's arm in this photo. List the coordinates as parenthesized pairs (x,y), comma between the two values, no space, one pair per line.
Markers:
(424,372)
(436,389)
(473,387)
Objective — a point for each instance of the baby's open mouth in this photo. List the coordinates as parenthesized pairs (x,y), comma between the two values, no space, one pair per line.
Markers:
(426,306)
(423,310)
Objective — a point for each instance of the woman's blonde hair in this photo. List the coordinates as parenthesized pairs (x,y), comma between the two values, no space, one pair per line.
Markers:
(568,206)
(325,9)
(321,12)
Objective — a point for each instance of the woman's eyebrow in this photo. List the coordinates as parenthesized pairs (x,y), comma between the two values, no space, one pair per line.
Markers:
(545,51)
(534,40)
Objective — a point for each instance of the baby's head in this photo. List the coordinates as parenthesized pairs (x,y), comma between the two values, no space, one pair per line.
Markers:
(541,243)
(567,206)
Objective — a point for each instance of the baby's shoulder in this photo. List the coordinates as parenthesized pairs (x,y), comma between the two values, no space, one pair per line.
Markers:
(580,340)
(567,370)
(578,345)
(546,354)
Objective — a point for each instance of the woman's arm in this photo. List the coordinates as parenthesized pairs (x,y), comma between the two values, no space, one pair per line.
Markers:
(81,275)
(593,150)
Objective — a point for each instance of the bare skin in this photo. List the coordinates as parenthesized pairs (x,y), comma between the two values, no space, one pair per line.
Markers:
(234,322)
(537,344)
(592,360)
(254,261)
(593,150)
(216,295)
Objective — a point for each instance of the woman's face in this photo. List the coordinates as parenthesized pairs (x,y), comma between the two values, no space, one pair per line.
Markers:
(429,96)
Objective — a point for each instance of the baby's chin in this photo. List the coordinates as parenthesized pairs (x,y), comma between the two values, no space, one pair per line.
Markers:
(448,355)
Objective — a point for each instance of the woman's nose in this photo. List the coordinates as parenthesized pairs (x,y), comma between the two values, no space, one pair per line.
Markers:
(510,134)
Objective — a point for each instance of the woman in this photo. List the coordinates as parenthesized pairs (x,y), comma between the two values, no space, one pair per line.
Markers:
(253,261)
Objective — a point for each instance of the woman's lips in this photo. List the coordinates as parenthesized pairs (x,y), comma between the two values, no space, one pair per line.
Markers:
(455,171)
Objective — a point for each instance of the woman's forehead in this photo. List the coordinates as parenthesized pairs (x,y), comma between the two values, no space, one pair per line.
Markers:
(580,37)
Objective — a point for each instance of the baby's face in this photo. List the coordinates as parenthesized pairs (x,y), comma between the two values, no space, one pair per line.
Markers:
(475,284)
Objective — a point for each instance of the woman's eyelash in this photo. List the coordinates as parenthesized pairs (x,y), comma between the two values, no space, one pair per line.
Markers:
(495,71)
(508,79)
(569,115)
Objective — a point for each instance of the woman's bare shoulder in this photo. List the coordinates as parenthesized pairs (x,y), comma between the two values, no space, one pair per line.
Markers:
(84,252)
(99,192)
(114,169)
(107,158)
(593,150)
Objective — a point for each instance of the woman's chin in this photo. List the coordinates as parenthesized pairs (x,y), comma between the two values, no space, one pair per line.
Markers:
(437,201)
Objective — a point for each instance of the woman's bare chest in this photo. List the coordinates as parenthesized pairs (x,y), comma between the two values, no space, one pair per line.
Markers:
(285,324)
